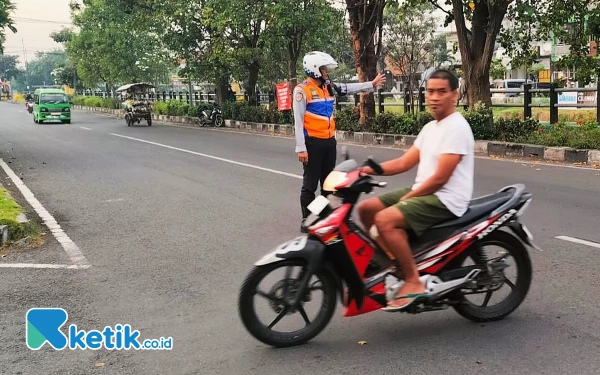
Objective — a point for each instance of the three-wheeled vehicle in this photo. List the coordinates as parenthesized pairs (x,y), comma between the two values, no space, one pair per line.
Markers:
(136,103)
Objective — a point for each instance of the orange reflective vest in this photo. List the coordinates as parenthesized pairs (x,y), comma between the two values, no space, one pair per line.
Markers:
(318,118)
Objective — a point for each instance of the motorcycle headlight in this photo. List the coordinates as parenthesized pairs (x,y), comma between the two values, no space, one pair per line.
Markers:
(334,179)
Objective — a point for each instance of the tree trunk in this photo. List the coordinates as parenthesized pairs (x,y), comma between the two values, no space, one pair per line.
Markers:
(364,20)
(222,85)
(478,85)
(292,76)
(477,46)
(253,70)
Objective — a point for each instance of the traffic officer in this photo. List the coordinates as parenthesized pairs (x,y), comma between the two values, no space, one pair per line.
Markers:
(313,106)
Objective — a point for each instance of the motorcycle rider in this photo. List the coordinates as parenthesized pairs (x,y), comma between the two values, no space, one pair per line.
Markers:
(442,190)
(313,107)
(28,97)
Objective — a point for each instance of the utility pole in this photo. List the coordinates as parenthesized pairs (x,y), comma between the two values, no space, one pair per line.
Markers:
(26,64)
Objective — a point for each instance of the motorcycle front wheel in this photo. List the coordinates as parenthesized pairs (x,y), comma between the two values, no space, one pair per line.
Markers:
(219,121)
(278,299)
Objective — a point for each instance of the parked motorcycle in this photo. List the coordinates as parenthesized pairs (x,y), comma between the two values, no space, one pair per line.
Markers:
(29,105)
(212,117)
(347,262)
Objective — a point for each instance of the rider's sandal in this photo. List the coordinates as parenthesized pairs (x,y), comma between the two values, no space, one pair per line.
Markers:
(413,298)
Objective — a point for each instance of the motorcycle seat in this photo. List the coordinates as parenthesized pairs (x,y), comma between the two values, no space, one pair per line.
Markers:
(478,208)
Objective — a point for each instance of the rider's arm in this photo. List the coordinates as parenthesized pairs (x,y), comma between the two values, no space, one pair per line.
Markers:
(353,88)
(299,108)
(400,165)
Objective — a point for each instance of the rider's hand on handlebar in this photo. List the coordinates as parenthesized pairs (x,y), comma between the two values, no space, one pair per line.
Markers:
(366,171)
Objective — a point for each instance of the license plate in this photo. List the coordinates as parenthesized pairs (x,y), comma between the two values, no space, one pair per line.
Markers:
(318,205)
(55,114)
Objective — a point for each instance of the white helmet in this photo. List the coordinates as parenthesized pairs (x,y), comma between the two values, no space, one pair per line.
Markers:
(315,60)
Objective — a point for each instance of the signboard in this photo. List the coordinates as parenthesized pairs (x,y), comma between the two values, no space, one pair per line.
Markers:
(586,98)
(577,98)
(283,96)
(567,98)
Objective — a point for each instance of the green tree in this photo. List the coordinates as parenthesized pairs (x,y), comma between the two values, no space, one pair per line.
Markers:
(294,28)
(39,70)
(8,67)
(6,21)
(243,27)
(497,69)
(409,33)
(570,22)
(440,53)
(192,36)
(114,45)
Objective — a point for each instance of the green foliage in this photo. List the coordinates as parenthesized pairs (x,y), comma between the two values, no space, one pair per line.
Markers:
(293,33)
(6,21)
(497,69)
(568,22)
(39,70)
(586,135)
(114,46)
(408,33)
(8,67)
(93,101)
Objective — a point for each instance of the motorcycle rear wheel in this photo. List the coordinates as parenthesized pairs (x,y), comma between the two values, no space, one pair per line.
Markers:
(285,339)
(519,253)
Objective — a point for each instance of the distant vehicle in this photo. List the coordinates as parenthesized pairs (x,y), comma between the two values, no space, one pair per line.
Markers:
(51,105)
(516,83)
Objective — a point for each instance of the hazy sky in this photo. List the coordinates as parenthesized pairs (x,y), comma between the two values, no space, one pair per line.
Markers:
(35,20)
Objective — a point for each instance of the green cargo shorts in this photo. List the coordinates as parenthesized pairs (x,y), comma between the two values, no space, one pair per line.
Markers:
(421,213)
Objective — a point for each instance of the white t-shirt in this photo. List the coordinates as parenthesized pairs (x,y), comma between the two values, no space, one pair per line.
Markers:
(452,135)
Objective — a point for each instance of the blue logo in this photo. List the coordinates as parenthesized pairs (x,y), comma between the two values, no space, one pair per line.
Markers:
(44,326)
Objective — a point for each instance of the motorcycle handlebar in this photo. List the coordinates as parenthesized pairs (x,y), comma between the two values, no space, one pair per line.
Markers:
(379,183)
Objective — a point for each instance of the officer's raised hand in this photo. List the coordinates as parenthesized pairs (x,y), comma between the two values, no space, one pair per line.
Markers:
(379,80)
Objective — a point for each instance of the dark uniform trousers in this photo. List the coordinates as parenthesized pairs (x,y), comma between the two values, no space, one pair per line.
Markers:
(322,155)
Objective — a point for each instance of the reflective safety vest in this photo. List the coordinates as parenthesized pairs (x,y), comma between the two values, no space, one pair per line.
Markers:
(318,118)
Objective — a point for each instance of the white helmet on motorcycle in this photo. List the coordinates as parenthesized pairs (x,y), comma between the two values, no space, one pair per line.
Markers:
(314,60)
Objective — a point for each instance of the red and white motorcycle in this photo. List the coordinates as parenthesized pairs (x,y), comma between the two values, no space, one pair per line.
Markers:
(347,262)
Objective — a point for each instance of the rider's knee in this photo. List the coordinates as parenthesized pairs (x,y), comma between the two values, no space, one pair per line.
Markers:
(382,222)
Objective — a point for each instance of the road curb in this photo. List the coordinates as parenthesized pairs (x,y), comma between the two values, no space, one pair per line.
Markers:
(489,148)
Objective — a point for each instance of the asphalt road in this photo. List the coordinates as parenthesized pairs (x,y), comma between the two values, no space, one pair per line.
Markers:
(170,232)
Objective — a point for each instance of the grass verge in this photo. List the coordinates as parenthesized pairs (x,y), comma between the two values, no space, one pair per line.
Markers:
(9,213)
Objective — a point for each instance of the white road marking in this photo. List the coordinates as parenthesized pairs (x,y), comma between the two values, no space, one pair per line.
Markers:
(579,241)
(39,266)
(83,127)
(211,156)
(68,245)
(114,200)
